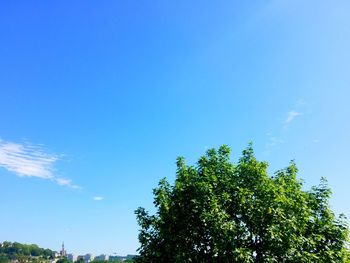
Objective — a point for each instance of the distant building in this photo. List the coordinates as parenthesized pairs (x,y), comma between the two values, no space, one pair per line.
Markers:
(88,258)
(63,252)
(72,257)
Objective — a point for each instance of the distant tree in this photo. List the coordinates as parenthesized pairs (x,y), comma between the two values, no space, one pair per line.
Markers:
(22,258)
(218,211)
(35,250)
(63,260)
(6,244)
(4,259)
(24,252)
(48,253)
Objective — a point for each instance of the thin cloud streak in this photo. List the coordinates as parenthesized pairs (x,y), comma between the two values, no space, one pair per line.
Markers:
(28,160)
(98,198)
(291,116)
(66,182)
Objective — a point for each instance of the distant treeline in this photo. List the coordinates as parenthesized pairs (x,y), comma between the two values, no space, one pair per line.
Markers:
(117,259)
(23,252)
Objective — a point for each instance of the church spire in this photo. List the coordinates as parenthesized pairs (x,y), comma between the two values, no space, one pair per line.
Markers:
(63,251)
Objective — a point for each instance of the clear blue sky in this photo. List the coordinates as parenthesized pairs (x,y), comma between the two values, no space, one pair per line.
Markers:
(99,97)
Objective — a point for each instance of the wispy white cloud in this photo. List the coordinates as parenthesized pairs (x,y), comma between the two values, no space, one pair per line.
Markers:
(66,182)
(98,198)
(291,116)
(274,142)
(29,160)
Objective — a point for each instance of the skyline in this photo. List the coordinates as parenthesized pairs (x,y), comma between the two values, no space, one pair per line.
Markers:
(98,100)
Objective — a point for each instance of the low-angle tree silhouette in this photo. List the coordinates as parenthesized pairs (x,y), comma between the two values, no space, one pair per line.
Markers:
(218,211)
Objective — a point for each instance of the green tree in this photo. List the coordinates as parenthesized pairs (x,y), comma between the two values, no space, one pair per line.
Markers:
(35,250)
(4,259)
(218,211)
(24,252)
(63,260)
(48,253)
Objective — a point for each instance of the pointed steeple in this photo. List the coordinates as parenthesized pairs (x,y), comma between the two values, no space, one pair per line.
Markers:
(63,251)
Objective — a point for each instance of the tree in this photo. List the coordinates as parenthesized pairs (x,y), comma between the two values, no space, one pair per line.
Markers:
(63,260)
(23,252)
(218,211)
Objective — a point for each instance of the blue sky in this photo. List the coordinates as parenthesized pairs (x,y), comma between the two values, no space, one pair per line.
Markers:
(97,99)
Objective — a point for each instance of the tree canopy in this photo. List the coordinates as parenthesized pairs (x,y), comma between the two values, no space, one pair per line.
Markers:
(219,211)
(22,252)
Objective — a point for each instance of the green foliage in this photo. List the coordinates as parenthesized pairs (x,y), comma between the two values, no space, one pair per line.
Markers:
(218,211)
(23,252)
(63,260)
(114,260)
(4,259)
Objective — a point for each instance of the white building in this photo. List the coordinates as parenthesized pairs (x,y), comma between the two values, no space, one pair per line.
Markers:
(72,257)
(88,258)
